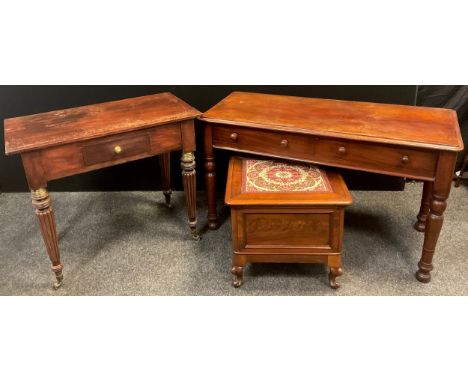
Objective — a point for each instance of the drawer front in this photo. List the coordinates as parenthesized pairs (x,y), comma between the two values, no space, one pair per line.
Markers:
(284,145)
(375,157)
(115,149)
(81,157)
(291,230)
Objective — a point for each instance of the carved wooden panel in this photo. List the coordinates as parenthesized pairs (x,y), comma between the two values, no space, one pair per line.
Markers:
(281,230)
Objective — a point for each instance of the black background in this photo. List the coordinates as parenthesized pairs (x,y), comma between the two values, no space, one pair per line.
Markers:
(144,174)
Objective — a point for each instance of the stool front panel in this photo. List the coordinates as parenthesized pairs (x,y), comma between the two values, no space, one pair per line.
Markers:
(287,230)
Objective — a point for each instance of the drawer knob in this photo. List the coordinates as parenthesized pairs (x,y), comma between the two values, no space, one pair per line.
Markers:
(234,137)
(342,150)
(404,159)
(117,149)
(284,143)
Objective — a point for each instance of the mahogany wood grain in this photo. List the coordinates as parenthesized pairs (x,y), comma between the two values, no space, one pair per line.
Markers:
(92,121)
(363,121)
(72,141)
(70,159)
(379,158)
(407,141)
(115,149)
(284,145)
(339,194)
(305,227)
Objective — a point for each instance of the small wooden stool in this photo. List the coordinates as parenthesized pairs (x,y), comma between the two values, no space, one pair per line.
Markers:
(284,212)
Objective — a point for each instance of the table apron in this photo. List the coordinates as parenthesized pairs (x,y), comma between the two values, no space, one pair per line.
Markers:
(80,157)
(388,159)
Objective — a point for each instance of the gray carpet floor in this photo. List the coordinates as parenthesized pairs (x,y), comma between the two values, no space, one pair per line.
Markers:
(130,243)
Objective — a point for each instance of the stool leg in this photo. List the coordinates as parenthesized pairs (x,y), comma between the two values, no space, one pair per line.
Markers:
(238,265)
(332,275)
(334,264)
(238,273)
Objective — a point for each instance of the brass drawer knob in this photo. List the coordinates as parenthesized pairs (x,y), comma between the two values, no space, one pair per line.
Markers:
(342,150)
(117,149)
(404,159)
(284,143)
(234,137)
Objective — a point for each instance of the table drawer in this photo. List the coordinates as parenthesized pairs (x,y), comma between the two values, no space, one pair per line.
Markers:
(375,157)
(81,157)
(280,144)
(114,149)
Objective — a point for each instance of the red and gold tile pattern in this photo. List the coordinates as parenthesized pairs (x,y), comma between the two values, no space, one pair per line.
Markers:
(280,176)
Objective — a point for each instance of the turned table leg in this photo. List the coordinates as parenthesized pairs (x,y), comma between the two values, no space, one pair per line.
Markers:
(165,167)
(420,224)
(45,214)
(435,218)
(189,180)
(210,176)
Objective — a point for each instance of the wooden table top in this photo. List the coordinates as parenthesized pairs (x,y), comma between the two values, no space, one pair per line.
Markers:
(424,127)
(80,123)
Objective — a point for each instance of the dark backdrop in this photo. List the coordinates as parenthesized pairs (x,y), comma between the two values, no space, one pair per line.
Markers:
(143,174)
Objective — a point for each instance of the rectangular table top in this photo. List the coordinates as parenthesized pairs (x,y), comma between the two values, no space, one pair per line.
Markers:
(80,123)
(432,128)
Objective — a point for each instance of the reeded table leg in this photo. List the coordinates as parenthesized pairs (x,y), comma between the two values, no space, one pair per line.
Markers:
(189,179)
(165,167)
(45,214)
(435,218)
(420,225)
(210,176)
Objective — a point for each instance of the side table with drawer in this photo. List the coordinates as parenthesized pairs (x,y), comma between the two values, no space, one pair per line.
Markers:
(284,212)
(61,143)
(405,141)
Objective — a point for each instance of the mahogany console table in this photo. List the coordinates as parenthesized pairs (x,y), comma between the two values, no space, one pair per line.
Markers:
(407,141)
(76,140)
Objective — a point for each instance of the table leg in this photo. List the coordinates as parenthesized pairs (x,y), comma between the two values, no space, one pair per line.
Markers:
(435,218)
(462,170)
(210,176)
(190,188)
(238,273)
(420,225)
(165,167)
(45,214)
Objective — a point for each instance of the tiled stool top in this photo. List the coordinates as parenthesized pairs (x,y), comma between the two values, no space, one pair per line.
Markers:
(265,181)
(259,175)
